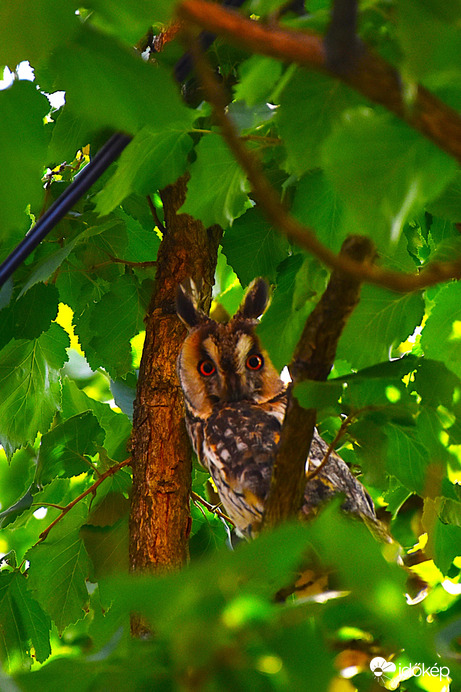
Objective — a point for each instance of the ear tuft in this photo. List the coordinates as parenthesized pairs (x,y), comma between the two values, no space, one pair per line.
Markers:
(186,306)
(255,300)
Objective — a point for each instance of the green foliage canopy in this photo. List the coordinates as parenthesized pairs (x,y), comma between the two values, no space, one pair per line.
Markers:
(68,374)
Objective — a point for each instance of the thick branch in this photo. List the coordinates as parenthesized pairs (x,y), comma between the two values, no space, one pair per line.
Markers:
(342,45)
(373,76)
(274,210)
(313,359)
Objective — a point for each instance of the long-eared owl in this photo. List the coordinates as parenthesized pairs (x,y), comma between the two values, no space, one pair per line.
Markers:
(235,404)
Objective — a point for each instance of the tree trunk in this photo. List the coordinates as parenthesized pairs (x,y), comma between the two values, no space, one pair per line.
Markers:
(161,454)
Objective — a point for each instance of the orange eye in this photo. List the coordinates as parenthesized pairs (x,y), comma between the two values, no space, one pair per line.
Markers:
(206,368)
(255,362)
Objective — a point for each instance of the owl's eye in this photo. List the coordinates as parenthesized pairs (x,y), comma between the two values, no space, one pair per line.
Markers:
(206,368)
(255,362)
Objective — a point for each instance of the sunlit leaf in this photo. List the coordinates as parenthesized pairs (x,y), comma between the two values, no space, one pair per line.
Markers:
(91,70)
(310,105)
(254,248)
(441,336)
(22,622)
(151,161)
(107,327)
(63,449)
(59,568)
(216,192)
(402,170)
(29,373)
(23,142)
(382,319)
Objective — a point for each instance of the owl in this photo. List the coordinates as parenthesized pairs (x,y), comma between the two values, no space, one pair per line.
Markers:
(235,403)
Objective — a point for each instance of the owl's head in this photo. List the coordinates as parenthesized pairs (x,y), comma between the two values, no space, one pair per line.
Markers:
(225,362)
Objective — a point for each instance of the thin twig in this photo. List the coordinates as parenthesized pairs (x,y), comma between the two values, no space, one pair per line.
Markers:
(211,508)
(331,447)
(129,263)
(92,489)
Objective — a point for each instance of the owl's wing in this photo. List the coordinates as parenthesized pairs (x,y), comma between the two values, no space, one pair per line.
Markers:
(239,447)
(336,478)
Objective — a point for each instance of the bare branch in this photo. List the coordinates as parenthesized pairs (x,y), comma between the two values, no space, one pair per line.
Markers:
(213,509)
(92,489)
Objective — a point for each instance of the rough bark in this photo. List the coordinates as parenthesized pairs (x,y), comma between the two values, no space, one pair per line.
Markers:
(161,454)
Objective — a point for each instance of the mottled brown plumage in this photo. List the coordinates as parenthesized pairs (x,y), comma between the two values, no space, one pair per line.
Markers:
(235,403)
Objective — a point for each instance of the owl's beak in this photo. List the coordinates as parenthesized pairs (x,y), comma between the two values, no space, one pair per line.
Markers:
(232,390)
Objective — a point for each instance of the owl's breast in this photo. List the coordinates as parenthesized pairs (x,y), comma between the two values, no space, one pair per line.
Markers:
(239,445)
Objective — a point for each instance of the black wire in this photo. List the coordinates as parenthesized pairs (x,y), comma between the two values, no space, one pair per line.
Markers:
(82,182)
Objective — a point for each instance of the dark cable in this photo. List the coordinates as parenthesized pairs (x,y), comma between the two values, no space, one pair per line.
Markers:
(82,182)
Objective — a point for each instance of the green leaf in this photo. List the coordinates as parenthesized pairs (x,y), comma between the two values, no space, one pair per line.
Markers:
(150,162)
(283,322)
(448,204)
(392,172)
(16,476)
(23,143)
(107,547)
(408,458)
(253,247)
(116,425)
(71,132)
(124,392)
(31,30)
(317,206)
(381,320)
(105,329)
(63,449)
(47,266)
(436,384)
(430,39)
(264,7)
(447,540)
(29,373)
(143,244)
(59,568)
(29,316)
(322,396)
(216,193)
(258,76)
(441,336)
(91,69)
(377,583)
(130,19)
(444,539)
(22,622)
(309,107)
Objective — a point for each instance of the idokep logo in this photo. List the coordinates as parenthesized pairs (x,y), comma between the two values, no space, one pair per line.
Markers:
(383,670)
